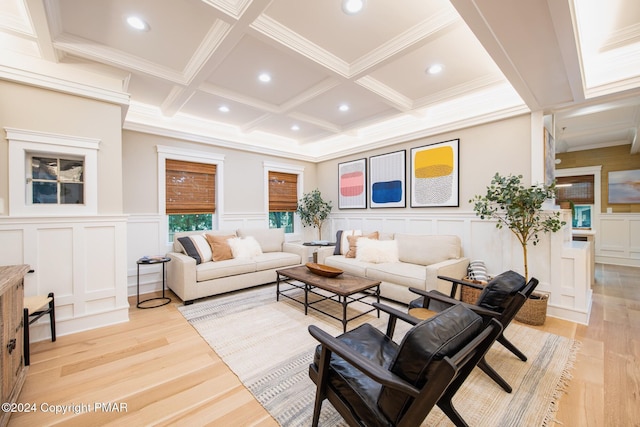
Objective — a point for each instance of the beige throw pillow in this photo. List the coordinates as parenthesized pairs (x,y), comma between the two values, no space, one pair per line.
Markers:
(220,248)
(353,240)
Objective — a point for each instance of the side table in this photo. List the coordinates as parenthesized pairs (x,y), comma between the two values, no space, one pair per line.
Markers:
(318,244)
(147,261)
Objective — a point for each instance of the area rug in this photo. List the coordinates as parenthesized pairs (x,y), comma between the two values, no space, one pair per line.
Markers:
(267,345)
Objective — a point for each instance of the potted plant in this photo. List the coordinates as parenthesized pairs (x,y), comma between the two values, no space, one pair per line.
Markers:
(518,208)
(313,210)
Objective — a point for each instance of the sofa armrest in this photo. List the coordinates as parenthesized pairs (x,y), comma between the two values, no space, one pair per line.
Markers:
(296,248)
(456,268)
(324,252)
(181,275)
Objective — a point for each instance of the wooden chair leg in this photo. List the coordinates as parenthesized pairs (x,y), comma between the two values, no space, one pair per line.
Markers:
(25,345)
(494,375)
(52,316)
(512,348)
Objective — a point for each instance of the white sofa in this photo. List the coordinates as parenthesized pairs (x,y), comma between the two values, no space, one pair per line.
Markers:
(191,279)
(420,260)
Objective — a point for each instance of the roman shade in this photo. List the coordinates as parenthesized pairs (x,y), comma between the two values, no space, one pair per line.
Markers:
(283,192)
(190,187)
(577,189)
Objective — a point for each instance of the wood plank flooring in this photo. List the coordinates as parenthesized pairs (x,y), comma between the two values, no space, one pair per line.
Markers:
(158,371)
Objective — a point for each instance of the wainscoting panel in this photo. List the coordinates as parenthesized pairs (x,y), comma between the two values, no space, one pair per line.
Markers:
(618,239)
(81,259)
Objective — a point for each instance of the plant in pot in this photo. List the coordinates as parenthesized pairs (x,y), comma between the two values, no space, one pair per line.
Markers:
(518,208)
(313,210)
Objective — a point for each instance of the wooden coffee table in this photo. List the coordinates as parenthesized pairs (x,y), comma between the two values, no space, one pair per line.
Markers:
(345,289)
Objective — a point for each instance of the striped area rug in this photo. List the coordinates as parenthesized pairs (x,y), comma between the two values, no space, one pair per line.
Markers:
(267,345)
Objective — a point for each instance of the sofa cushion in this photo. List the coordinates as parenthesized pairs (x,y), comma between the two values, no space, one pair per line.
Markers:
(270,239)
(229,267)
(348,265)
(197,247)
(400,273)
(220,249)
(244,247)
(426,249)
(353,241)
(270,260)
(376,251)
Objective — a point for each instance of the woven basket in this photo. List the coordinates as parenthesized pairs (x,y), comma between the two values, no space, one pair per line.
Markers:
(534,310)
(468,294)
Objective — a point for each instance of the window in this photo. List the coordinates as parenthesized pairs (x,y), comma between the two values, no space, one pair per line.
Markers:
(283,200)
(52,174)
(190,193)
(579,191)
(55,180)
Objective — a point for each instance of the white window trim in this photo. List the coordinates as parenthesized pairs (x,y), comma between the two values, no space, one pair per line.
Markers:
(284,168)
(24,143)
(174,153)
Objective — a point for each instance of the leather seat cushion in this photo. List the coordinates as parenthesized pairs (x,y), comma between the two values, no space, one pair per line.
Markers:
(357,389)
(421,352)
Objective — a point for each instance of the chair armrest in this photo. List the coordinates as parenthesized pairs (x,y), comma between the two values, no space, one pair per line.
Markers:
(364,365)
(436,296)
(456,282)
(449,268)
(297,249)
(324,252)
(181,275)
(393,316)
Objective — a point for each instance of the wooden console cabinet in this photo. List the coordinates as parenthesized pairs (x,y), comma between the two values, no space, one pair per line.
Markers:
(12,369)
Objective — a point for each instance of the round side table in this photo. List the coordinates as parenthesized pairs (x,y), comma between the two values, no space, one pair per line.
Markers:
(147,261)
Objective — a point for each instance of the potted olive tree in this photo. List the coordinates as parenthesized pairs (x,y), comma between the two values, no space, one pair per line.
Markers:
(313,210)
(518,208)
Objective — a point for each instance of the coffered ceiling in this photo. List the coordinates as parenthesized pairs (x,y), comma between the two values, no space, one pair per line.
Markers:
(194,71)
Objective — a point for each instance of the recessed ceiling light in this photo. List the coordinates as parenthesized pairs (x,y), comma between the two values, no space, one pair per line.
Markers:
(351,7)
(434,69)
(223,109)
(264,77)
(295,128)
(343,107)
(137,23)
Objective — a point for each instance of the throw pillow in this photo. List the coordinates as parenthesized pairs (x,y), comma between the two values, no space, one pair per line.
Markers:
(376,251)
(336,251)
(353,240)
(247,247)
(197,247)
(220,249)
(344,241)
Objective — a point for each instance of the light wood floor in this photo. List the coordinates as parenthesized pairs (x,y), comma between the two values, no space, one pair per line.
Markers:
(163,373)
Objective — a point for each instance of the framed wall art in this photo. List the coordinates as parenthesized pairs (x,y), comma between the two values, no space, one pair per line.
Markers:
(352,184)
(435,175)
(387,176)
(624,186)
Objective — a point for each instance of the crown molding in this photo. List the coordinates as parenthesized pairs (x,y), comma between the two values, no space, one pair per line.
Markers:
(65,86)
(394,97)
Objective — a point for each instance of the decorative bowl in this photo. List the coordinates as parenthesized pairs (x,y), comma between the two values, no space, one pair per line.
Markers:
(323,270)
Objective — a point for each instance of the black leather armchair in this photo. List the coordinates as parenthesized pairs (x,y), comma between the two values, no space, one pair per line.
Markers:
(501,299)
(373,381)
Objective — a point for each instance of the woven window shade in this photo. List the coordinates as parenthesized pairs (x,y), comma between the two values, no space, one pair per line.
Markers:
(283,192)
(580,190)
(190,187)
